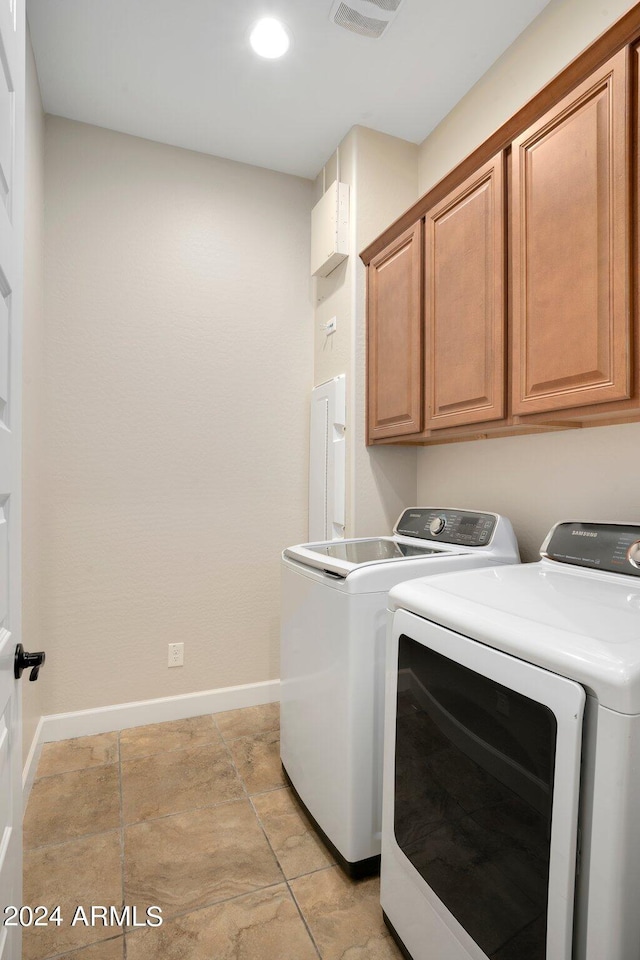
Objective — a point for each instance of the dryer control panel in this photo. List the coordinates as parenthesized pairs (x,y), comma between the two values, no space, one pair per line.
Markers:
(464,528)
(614,547)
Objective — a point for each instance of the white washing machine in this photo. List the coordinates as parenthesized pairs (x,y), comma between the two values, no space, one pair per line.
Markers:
(511,824)
(334,598)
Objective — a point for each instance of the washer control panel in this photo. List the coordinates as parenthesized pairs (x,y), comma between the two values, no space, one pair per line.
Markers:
(464,528)
(614,547)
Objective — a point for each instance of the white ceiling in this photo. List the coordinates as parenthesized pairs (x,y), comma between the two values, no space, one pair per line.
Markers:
(182,71)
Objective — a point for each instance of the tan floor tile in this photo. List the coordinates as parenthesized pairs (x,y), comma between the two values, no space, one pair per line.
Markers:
(180,780)
(257,760)
(78,754)
(344,917)
(107,950)
(72,805)
(197,858)
(298,848)
(80,872)
(248,720)
(161,737)
(260,926)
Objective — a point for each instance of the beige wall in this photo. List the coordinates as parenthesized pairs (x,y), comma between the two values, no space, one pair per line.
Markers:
(179,365)
(32,401)
(382,175)
(534,480)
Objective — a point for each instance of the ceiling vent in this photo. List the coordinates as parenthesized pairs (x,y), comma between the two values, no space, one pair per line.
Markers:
(369,18)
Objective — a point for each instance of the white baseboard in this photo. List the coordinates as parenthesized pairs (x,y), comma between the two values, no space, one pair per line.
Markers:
(83,723)
(31,763)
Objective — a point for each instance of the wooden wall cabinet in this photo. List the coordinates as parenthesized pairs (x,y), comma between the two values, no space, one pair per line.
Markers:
(436,342)
(465,302)
(558,345)
(571,248)
(395,338)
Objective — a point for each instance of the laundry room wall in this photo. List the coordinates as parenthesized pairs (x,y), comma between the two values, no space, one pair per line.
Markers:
(382,173)
(539,479)
(33,635)
(179,368)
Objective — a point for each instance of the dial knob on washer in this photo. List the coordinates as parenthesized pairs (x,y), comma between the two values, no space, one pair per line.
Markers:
(437,525)
(633,554)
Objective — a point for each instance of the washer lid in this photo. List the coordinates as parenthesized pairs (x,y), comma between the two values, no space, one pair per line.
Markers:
(581,624)
(421,532)
(344,556)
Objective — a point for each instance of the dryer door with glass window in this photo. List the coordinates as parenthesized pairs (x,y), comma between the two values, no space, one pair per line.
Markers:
(486,775)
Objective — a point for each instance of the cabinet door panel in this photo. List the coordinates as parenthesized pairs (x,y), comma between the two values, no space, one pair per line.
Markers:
(571,248)
(464,302)
(394,339)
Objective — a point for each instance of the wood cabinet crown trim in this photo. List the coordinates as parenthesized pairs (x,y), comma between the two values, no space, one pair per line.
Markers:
(623,32)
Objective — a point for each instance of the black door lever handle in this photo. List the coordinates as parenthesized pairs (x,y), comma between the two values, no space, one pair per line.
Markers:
(23,661)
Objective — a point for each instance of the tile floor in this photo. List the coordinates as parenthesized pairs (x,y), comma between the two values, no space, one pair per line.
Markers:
(193,817)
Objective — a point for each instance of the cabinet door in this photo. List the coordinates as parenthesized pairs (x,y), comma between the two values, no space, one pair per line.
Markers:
(571,249)
(394,338)
(465,302)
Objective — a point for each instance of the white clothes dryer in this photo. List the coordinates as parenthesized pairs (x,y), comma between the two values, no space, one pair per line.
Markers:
(334,599)
(511,826)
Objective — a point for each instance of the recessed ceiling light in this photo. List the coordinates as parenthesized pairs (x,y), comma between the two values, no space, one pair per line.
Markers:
(269,38)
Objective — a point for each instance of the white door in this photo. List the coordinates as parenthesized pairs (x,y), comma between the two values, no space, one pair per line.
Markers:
(12,131)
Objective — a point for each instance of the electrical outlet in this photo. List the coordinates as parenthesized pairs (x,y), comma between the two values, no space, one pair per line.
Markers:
(176,654)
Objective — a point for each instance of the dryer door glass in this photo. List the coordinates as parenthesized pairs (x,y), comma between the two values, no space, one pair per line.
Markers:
(473,794)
